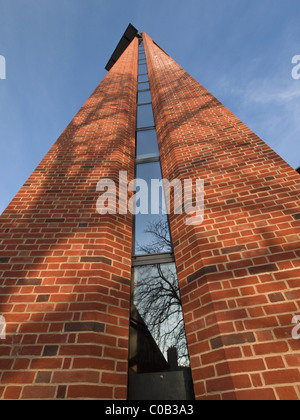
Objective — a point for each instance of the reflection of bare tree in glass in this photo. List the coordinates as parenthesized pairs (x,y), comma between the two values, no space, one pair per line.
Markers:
(157,296)
(161,241)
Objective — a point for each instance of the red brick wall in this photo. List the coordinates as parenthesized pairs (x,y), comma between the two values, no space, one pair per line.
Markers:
(239,271)
(64,269)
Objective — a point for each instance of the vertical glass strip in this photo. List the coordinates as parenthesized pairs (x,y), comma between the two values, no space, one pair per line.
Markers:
(158,355)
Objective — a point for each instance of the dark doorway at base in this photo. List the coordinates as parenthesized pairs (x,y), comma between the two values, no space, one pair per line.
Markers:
(171,386)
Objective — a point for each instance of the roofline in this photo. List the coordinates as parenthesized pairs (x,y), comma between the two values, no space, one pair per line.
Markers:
(130,33)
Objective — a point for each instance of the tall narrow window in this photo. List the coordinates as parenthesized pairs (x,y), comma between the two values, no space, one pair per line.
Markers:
(158,355)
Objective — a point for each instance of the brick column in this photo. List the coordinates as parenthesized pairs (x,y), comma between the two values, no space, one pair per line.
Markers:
(238,271)
(64,269)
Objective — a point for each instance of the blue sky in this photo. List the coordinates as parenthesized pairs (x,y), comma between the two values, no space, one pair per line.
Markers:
(56,51)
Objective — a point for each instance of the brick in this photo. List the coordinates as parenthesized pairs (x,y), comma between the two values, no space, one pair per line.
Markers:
(94,363)
(278,308)
(270,348)
(274,362)
(200,273)
(13,392)
(220,384)
(43,377)
(263,394)
(114,378)
(96,259)
(29,282)
(50,351)
(39,392)
(246,366)
(282,376)
(233,249)
(260,323)
(84,326)
(292,360)
(61,392)
(90,391)
(287,393)
(80,350)
(232,339)
(256,380)
(228,383)
(75,376)
(267,268)
(6,364)
(276,297)
(17,377)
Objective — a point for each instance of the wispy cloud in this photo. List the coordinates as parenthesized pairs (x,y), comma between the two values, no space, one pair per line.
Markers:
(269,104)
(266,91)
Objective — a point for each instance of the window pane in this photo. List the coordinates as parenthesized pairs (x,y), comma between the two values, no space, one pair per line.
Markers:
(143,85)
(143,78)
(152,234)
(144,97)
(145,116)
(146,144)
(142,68)
(158,356)
(147,228)
(150,282)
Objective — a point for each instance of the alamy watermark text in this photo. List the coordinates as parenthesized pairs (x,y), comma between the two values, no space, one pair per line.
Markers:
(152,198)
(296,68)
(2,67)
(2,328)
(296,329)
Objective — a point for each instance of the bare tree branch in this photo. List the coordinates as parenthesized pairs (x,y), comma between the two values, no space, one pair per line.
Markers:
(157,295)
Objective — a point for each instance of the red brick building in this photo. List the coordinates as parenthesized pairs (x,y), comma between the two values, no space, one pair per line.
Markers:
(71,279)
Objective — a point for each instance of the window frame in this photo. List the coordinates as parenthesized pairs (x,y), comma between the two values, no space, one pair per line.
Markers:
(137,116)
(152,259)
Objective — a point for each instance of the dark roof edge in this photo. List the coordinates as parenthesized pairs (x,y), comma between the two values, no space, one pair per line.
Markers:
(130,33)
